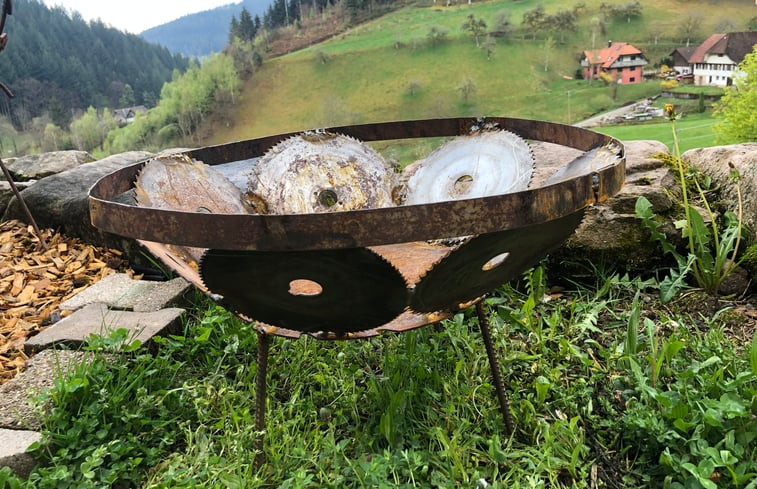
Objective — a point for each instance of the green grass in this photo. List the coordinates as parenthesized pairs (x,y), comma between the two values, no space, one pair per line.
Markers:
(597,392)
(336,95)
(698,89)
(12,142)
(694,131)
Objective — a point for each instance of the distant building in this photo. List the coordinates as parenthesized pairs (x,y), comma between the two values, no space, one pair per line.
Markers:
(714,61)
(681,57)
(126,115)
(622,61)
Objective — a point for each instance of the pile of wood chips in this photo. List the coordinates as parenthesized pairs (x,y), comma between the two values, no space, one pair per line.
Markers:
(34,281)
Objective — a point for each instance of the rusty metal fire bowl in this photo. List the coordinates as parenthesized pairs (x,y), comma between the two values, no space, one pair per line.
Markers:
(383,269)
(356,273)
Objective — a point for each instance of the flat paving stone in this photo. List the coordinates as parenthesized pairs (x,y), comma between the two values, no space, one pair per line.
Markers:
(13,447)
(120,291)
(17,412)
(99,320)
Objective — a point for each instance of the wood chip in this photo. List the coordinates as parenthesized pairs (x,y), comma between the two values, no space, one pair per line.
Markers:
(33,282)
(26,295)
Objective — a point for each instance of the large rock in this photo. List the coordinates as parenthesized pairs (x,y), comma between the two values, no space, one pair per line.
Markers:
(610,230)
(60,201)
(35,167)
(715,162)
(6,192)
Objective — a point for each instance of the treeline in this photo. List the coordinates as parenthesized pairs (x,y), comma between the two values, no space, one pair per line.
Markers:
(184,102)
(57,57)
(292,12)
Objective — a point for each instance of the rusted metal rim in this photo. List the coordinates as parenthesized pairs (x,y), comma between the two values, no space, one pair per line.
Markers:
(364,227)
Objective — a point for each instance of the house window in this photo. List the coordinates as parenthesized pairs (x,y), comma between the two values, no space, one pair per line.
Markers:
(632,68)
(632,79)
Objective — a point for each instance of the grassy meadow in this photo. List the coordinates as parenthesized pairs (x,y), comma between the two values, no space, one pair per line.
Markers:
(694,131)
(387,69)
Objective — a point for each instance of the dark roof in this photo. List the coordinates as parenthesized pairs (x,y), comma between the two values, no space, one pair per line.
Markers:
(685,52)
(736,45)
(126,111)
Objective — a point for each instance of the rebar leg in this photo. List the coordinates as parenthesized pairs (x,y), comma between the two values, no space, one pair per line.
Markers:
(483,322)
(260,396)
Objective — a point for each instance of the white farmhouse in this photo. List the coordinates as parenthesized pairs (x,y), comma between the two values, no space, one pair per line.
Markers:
(714,61)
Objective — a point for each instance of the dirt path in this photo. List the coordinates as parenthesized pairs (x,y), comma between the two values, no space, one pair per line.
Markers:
(602,119)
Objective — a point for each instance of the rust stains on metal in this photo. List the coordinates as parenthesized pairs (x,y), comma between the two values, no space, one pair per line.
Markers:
(314,273)
(368,227)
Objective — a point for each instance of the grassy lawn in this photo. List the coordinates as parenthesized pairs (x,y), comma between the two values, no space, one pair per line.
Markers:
(604,384)
(694,131)
(706,90)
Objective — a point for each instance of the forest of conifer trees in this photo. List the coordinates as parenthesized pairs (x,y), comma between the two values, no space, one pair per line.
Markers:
(56,61)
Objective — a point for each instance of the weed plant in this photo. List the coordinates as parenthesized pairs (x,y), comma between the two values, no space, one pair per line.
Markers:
(606,391)
(711,249)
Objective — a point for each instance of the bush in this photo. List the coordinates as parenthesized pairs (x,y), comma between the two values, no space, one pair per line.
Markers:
(668,84)
(437,35)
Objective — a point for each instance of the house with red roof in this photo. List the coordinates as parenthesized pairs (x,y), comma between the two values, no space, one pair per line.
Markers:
(715,60)
(621,60)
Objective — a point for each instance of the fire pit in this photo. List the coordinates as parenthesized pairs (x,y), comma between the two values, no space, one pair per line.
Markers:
(354,274)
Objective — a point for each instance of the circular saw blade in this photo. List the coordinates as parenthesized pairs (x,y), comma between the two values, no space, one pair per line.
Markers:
(337,291)
(177,182)
(487,261)
(321,172)
(481,164)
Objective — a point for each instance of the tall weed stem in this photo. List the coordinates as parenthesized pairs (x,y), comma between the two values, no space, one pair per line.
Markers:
(712,264)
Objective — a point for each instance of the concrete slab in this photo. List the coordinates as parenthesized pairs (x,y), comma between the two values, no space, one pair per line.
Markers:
(16,409)
(120,291)
(98,319)
(13,447)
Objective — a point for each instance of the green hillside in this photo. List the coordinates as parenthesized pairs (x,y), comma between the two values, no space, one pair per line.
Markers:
(388,69)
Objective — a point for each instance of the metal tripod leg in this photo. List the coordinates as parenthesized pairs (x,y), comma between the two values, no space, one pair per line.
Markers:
(260,396)
(483,322)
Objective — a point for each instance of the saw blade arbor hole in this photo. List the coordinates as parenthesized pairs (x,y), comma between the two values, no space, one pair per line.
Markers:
(305,288)
(495,262)
(463,184)
(328,198)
